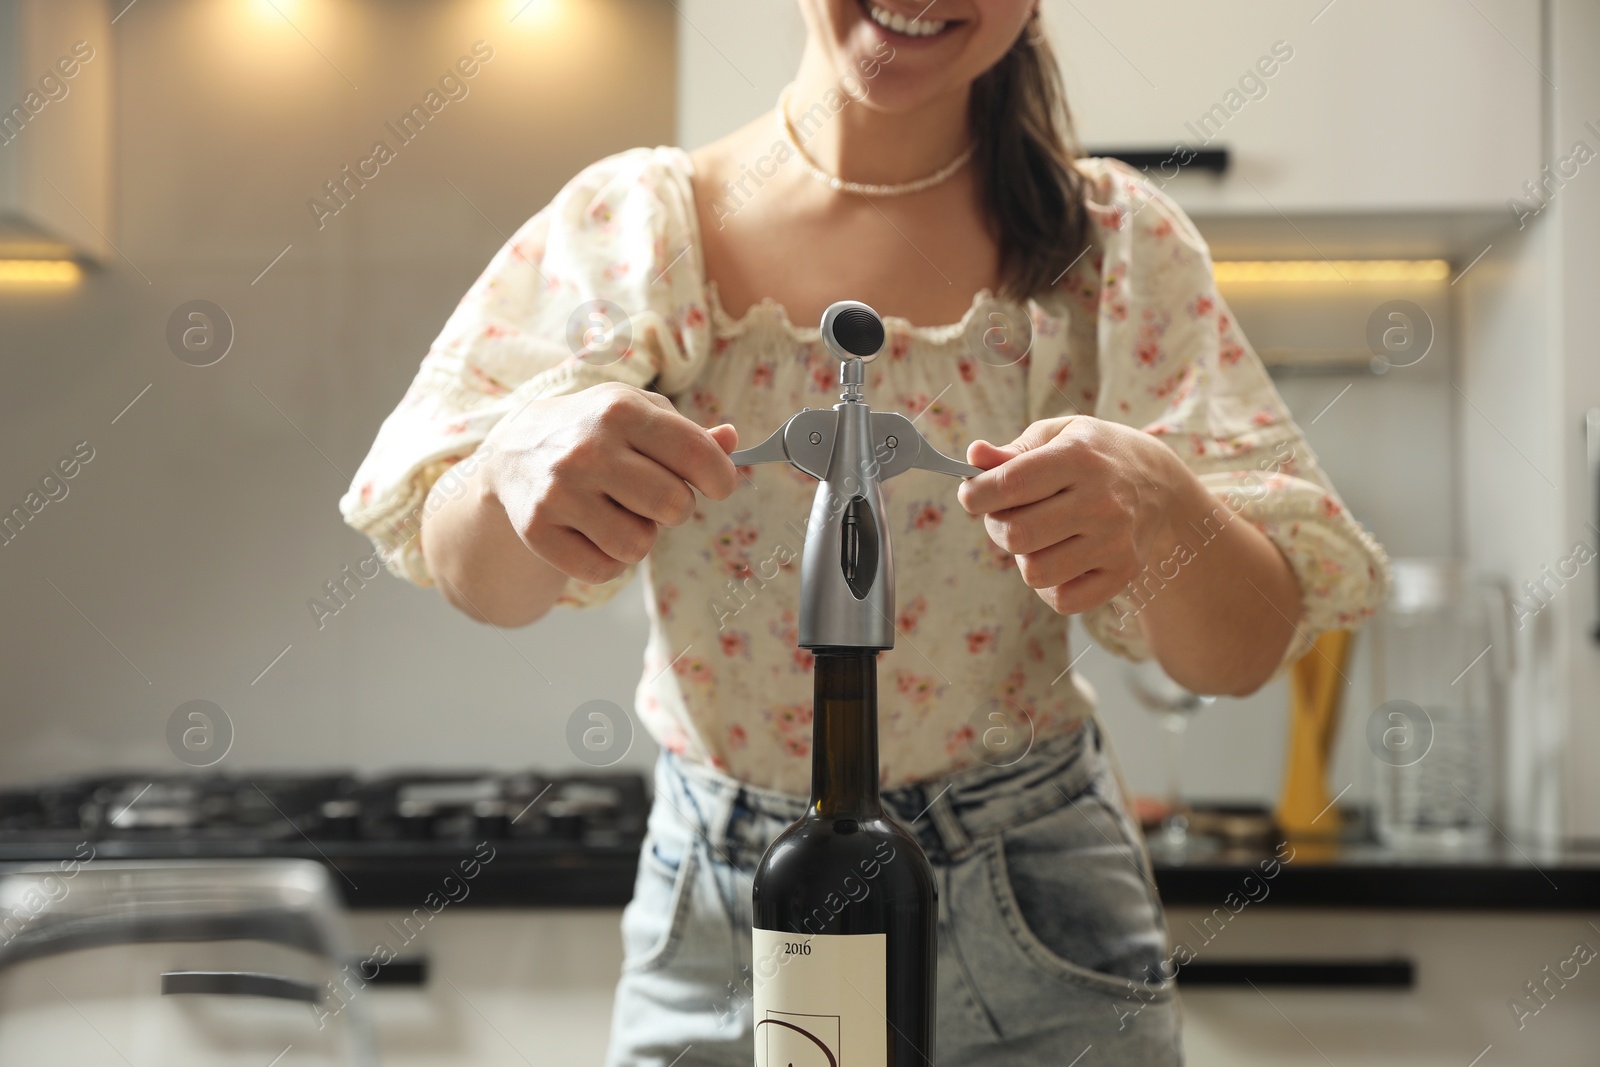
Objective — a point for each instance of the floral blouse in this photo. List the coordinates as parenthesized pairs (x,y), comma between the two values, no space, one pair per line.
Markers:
(1135,331)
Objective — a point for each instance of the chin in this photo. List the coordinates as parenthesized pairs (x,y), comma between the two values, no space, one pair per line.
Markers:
(905,56)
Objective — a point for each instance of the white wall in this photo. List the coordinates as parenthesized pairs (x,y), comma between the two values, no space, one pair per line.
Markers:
(194,539)
(732,61)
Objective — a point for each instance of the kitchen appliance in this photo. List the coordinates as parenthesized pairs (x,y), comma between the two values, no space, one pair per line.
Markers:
(844,901)
(443,872)
(225,815)
(557,840)
(1443,652)
(178,962)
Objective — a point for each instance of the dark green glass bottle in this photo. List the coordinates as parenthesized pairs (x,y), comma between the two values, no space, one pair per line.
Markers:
(845,904)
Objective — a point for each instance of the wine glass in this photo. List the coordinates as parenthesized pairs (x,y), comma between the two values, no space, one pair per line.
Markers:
(1160,694)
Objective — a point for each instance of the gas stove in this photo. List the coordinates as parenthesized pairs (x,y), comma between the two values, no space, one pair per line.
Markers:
(384,835)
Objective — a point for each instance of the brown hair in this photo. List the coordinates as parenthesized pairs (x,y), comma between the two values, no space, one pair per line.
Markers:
(1024,147)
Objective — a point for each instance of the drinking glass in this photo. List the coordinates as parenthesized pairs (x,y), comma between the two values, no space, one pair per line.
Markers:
(1175,705)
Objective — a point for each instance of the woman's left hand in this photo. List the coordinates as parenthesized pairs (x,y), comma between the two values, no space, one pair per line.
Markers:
(1081,503)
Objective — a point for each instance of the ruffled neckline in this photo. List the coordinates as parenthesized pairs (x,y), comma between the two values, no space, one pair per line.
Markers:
(770,311)
(767,310)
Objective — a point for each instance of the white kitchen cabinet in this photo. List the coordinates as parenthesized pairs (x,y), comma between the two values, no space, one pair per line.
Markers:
(1426,106)
(1429,107)
(104,1005)
(513,988)
(1470,968)
(504,987)
(55,129)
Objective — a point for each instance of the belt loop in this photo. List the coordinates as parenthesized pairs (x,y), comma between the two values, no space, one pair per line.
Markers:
(720,820)
(951,832)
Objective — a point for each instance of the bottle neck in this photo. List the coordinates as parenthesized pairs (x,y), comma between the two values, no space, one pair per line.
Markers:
(844,734)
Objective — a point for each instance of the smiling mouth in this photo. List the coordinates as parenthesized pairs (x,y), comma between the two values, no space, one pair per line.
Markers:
(897,23)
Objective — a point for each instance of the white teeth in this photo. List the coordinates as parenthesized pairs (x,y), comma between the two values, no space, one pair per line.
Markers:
(893,20)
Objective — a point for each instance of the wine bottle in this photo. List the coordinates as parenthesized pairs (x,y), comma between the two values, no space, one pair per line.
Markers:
(845,903)
(845,906)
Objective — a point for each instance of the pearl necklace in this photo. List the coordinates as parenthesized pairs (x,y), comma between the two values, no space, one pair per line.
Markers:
(861,188)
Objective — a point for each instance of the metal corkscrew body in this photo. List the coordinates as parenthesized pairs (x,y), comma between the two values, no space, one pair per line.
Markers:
(847,567)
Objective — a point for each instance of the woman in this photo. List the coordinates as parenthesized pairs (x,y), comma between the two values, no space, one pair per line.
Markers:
(1139,472)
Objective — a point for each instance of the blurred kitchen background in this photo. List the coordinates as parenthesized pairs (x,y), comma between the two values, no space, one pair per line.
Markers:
(1405,224)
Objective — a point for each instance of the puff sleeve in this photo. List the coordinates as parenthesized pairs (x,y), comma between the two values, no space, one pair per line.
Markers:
(1171,360)
(602,285)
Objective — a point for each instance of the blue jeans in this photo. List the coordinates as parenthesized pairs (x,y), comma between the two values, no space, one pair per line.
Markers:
(1051,936)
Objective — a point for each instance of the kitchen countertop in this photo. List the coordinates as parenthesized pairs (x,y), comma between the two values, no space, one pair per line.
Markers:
(1499,877)
(523,873)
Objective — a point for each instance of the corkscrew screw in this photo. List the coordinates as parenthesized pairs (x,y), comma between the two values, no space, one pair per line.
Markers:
(847,567)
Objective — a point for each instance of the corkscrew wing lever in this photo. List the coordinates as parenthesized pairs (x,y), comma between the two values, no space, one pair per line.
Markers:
(769,451)
(900,447)
(807,439)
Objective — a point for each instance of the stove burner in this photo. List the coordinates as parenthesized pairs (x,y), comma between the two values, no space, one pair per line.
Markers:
(256,810)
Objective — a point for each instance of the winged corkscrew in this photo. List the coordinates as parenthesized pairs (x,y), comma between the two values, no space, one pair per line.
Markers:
(847,568)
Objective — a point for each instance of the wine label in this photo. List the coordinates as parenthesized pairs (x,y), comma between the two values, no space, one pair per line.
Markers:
(820,999)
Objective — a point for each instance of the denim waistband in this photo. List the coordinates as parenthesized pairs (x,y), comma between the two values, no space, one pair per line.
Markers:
(946,815)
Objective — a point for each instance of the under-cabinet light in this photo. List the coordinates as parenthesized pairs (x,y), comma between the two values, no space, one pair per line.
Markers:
(35,272)
(1332,270)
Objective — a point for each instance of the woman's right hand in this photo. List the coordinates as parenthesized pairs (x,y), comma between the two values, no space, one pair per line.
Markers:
(585,480)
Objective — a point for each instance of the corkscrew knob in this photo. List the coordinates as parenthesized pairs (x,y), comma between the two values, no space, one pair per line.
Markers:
(853,334)
(852,330)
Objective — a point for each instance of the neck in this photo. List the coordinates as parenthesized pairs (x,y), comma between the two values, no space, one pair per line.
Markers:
(844,734)
(864,144)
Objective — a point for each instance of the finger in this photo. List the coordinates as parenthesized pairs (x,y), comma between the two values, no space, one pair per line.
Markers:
(724,434)
(573,554)
(687,450)
(1035,526)
(1057,564)
(726,437)
(615,530)
(649,490)
(1085,592)
(1039,434)
(998,486)
(1022,479)
(981,453)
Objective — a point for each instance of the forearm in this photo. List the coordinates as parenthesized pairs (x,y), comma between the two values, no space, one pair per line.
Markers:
(479,563)
(1220,603)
